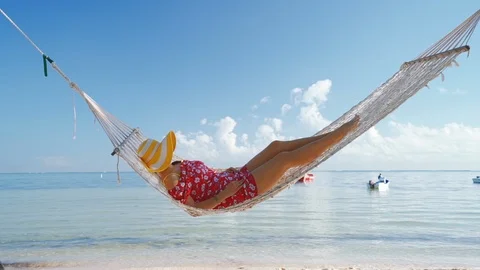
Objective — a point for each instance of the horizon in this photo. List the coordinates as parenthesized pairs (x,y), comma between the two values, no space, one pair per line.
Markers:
(233,77)
(313,170)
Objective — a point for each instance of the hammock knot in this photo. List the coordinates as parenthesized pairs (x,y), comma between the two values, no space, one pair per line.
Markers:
(135,131)
(116,150)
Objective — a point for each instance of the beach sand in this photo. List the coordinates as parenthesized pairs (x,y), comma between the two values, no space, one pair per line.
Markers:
(287,268)
(117,266)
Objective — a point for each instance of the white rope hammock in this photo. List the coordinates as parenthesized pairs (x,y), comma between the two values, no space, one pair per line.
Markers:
(411,77)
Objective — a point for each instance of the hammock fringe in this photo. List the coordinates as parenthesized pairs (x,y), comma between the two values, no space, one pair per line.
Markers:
(411,77)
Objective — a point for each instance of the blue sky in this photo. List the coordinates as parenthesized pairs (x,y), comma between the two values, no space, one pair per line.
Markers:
(166,65)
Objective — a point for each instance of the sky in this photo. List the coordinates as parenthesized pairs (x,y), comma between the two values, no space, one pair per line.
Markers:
(229,77)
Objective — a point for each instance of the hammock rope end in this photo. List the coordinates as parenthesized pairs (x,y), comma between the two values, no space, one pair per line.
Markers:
(119,181)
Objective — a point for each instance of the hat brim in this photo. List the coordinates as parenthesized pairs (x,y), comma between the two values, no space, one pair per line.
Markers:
(170,143)
(146,166)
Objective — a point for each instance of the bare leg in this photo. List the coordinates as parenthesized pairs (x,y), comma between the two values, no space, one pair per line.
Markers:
(276,147)
(268,174)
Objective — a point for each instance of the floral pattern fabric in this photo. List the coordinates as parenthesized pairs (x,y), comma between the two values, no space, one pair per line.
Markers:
(202,183)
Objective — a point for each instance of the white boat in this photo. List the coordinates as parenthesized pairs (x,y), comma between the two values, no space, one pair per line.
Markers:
(476,180)
(381,184)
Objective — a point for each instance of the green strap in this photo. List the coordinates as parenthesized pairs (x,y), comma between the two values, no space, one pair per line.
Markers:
(45,59)
(45,72)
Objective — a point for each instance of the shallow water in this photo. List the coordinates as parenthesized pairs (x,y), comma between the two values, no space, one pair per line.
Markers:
(426,219)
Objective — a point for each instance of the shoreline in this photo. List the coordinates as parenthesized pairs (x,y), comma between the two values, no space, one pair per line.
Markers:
(220,266)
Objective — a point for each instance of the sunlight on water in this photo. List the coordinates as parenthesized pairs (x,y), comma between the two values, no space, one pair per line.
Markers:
(426,219)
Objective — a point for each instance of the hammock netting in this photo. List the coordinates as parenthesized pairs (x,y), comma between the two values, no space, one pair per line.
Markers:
(408,80)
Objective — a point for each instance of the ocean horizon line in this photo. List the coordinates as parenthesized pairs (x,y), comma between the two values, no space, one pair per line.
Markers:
(366,170)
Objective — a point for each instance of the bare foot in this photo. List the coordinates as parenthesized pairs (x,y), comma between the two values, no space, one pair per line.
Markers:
(350,125)
(342,131)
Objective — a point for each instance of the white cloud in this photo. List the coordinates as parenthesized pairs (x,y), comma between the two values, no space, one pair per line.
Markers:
(296,95)
(265,134)
(226,137)
(203,121)
(197,144)
(285,108)
(264,100)
(309,101)
(268,132)
(317,92)
(452,92)
(225,146)
(311,117)
(275,123)
(244,139)
(452,146)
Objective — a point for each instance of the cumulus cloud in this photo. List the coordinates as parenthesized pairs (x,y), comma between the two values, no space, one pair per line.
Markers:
(452,146)
(203,121)
(285,108)
(269,131)
(317,92)
(275,123)
(452,92)
(226,136)
(312,118)
(296,95)
(225,146)
(407,146)
(265,100)
(309,101)
(197,145)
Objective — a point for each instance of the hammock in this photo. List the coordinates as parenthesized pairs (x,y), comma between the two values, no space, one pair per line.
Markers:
(411,77)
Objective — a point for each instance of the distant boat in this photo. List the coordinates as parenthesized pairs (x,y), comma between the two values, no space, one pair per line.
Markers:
(382,184)
(476,180)
(306,179)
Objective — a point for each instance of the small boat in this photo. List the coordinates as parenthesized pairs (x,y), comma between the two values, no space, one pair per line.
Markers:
(306,179)
(476,180)
(381,185)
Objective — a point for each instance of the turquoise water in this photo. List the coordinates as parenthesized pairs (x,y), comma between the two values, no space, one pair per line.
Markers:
(426,219)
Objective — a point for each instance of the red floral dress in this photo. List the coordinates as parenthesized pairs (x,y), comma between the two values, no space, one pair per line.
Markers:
(202,183)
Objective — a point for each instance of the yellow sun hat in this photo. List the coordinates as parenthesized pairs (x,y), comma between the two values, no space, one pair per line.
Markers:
(157,156)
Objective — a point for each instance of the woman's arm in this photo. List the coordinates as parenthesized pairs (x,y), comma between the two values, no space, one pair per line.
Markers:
(207,204)
(232,169)
(229,190)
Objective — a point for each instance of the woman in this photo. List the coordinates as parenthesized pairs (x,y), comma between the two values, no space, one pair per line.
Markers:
(193,183)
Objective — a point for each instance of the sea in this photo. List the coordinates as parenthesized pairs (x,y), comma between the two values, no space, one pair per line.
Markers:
(425,220)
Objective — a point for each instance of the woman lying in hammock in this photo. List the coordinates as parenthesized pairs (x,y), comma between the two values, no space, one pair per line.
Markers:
(193,183)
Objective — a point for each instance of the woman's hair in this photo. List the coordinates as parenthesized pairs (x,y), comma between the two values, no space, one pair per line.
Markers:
(176,162)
